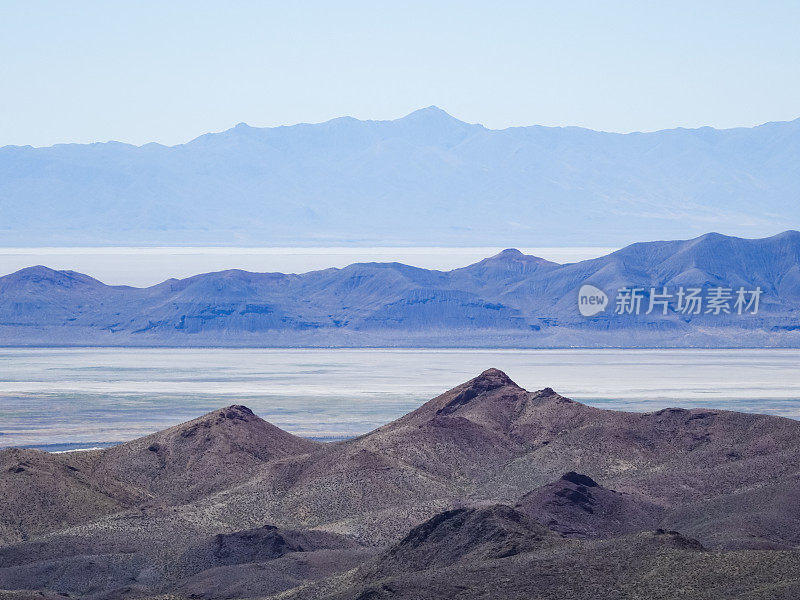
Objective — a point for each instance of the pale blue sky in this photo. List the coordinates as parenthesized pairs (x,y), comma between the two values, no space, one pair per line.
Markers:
(169,71)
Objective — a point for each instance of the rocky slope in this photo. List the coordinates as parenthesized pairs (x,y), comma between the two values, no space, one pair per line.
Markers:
(487,491)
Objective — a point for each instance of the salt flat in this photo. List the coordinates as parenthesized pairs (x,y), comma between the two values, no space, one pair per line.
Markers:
(65,398)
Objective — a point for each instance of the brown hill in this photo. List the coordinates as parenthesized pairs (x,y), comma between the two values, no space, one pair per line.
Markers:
(42,491)
(464,534)
(577,506)
(202,456)
(496,553)
(45,492)
(489,440)
(225,505)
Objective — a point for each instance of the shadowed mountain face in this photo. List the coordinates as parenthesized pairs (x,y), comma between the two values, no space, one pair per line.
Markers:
(577,506)
(476,534)
(487,491)
(508,300)
(658,564)
(427,176)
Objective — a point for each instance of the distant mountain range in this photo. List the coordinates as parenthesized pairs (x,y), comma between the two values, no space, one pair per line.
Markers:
(486,492)
(427,179)
(508,300)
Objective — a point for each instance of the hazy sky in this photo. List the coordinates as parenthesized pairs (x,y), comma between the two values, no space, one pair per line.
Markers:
(168,71)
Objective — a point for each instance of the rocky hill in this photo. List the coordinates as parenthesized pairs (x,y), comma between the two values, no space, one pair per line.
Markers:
(487,491)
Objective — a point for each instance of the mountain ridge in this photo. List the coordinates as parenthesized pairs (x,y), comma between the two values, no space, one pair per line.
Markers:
(508,300)
(427,176)
(424,112)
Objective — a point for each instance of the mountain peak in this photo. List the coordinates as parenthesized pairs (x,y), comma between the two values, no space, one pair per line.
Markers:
(208,453)
(435,119)
(430,113)
(488,381)
(39,274)
(509,253)
(508,261)
(512,255)
(36,271)
(234,411)
(578,479)
(790,234)
(495,377)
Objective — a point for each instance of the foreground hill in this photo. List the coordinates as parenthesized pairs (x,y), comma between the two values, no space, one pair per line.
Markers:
(508,300)
(427,176)
(487,491)
(653,565)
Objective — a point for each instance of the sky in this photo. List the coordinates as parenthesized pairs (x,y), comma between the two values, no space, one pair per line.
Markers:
(164,71)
